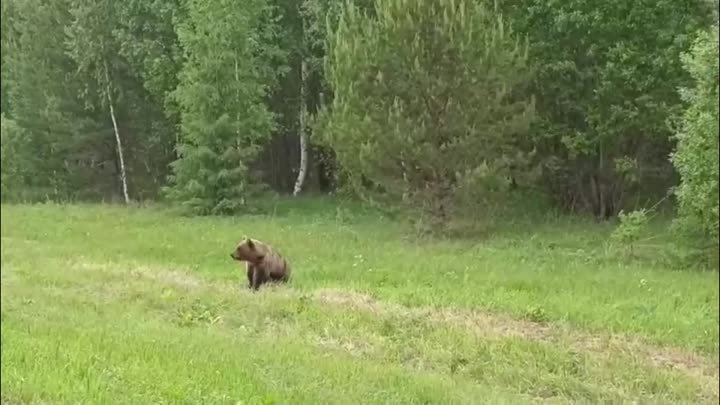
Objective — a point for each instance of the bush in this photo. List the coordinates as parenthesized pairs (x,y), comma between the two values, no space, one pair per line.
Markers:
(696,156)
(630,228)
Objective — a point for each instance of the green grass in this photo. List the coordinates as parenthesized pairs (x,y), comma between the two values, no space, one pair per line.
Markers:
(105,304)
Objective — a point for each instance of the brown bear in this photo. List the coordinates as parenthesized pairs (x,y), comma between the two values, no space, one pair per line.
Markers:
(263,263)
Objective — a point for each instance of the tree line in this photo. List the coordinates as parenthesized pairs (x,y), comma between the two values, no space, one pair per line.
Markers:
(431,106)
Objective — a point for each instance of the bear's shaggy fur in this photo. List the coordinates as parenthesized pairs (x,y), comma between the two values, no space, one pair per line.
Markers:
(264,264)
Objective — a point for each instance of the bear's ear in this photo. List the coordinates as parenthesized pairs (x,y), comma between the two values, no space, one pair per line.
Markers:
(250,243)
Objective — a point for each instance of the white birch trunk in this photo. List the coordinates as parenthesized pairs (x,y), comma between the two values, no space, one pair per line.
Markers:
(118,141)
(303,136)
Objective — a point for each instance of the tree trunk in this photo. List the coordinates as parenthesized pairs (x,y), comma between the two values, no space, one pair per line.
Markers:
(440,189)
(303,136)
(118,141)
(325,159)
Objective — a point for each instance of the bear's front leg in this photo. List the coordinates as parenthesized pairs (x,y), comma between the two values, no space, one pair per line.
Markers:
(250,275)
(258,278)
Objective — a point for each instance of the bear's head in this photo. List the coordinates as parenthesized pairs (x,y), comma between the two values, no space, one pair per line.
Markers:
(248,251)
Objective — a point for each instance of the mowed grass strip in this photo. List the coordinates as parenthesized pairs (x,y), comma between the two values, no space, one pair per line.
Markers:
(153,324)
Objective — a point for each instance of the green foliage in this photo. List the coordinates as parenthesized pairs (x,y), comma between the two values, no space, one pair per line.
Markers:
(227,74)
(6,39)
(427,94)
(197,313)
(44,101)
(148,44)
(535,314)
(118,64)
(16,159)
(631,227)
(696,157)
(91,44)
(606,84)
(53,73)
(148,41)
(321,19)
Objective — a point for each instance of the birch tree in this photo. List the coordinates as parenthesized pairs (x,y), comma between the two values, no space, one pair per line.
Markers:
(95,50)
(302,170)
(303,51)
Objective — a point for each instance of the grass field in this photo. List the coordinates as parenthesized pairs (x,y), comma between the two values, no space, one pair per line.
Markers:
(113,305)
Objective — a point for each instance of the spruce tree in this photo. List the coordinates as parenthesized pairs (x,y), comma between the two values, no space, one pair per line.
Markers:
(229,51)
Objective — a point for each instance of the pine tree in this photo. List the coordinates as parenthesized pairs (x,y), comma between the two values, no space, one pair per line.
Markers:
(428,100)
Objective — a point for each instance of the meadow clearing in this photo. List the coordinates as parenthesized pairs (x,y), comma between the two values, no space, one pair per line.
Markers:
(105,304)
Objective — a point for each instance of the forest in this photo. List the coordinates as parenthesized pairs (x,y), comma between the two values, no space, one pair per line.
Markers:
(433,108)
(482,202)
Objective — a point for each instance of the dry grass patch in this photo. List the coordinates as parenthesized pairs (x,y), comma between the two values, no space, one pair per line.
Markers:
(496,326)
